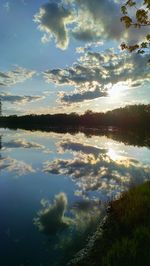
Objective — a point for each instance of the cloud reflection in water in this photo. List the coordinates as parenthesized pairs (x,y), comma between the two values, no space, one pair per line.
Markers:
(96,169)
(14,166)
(21,143)
(51,218)
(67,226)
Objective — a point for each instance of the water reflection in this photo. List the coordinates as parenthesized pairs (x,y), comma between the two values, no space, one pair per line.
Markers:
(0,145)
(98,169)
(51,218)
(0,150)
(60,198)
(0,142)
(69,225)
(21,143)
(14,166)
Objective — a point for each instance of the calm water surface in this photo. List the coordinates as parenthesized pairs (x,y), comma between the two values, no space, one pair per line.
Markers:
(54,188)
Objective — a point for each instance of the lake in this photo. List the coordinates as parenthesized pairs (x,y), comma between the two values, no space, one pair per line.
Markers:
(54,189)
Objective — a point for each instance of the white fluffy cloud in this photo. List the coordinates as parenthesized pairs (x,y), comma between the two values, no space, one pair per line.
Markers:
(19,74)
(94,73)
(14,166)
(52,19)
(104,16)
(98,172)
(51,218)
(19,99)
(21,143)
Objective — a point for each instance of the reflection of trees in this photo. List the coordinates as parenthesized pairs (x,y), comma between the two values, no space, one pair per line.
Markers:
(139,138)
(0,142)
(0,145)
(0,148)
(136,137)
(0,107)
(135,116)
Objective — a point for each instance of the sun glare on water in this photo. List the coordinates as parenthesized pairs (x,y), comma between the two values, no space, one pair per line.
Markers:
(117,157)
(112,154)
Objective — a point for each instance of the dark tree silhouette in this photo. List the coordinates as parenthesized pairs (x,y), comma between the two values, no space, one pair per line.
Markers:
(0,107)
(132,116)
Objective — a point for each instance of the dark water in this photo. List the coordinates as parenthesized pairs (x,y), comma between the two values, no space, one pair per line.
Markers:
(54,188)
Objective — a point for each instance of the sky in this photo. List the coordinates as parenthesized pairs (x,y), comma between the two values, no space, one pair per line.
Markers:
(64,56)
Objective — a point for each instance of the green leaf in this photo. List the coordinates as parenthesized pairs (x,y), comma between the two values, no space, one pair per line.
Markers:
(133,48)
(127,20)
(146,2)
(130,3)
(124,10)
(144,44)
(123,46)
(142,16)
(148,37)
(141,51)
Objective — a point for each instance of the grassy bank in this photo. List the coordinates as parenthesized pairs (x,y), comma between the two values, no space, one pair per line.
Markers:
(124,238)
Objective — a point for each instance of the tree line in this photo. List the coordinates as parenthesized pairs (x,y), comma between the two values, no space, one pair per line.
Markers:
(132,116)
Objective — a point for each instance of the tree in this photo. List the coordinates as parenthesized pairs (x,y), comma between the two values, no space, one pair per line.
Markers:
(141,19)
(0,107)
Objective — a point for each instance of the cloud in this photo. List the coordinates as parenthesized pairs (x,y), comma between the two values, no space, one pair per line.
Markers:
(10,78)
(85,149)
(87,214)
(94,73)
(88,46)
(14,166)
(70,19)
(68,234)
(20,99)
(87,205)
(52,19)
(86,35)
(6,6)
(104,17)
(21,143)
(51,218)
(100,172)
(82,96)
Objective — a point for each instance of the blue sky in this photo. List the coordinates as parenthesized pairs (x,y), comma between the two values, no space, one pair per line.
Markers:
(64,56)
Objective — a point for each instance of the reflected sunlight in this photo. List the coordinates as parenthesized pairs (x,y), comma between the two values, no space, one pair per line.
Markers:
(112,154)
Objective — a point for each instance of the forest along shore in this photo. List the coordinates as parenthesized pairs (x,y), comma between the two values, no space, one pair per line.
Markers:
(129,117)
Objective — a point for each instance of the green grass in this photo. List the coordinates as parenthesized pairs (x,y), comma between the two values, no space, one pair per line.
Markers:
(125,237)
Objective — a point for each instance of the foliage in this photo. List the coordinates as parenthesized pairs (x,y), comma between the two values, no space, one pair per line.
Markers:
(130,125)
(132,116)
(125,237)
(141,19)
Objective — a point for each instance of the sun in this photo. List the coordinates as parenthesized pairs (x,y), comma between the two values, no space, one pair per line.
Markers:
(117,90)
(112,154)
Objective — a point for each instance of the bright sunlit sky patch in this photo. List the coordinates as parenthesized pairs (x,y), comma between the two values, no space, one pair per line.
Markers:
(53,60)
